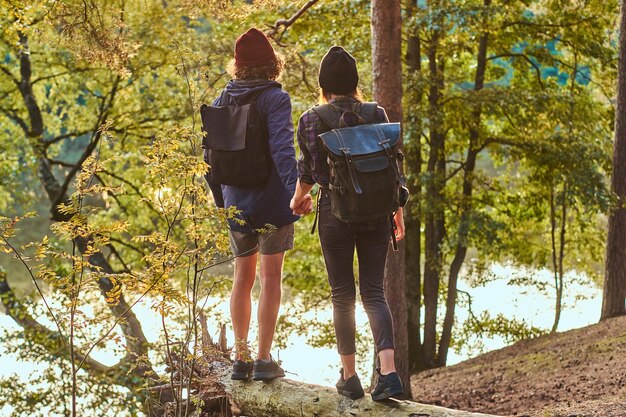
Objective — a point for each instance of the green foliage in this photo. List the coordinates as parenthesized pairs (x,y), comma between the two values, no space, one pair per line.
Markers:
(125,80)
(542,124)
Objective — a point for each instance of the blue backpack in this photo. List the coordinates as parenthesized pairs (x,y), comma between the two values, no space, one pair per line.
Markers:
(365,179)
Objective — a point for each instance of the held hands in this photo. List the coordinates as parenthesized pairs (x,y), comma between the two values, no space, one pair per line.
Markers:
(301,206)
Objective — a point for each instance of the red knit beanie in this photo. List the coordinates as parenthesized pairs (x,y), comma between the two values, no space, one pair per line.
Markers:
(253,49)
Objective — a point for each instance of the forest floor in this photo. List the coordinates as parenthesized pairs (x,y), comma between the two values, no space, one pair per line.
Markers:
(578,373)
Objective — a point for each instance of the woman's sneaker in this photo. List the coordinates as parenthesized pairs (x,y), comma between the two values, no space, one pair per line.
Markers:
(241,370)
(388,386)
(266,370)
(350,387)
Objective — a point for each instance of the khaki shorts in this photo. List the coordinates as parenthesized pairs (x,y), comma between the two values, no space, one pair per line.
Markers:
(268,243)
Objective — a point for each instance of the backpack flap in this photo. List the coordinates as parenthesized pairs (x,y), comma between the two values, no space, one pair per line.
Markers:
(360,144)
(372,164)
(358,140)
(225,127)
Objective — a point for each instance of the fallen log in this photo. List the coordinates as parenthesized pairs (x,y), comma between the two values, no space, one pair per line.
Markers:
(287,398)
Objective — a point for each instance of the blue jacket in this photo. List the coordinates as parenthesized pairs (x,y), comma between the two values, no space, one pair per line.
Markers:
(268,204)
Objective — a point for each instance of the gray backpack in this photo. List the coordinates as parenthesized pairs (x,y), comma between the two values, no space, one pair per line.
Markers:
(236,142)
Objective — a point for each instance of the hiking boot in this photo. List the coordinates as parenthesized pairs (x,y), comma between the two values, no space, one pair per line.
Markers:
(387,386)
(241,370)
(350,387)
(266,370)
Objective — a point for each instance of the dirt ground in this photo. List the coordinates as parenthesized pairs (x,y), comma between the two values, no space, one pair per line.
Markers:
(577,373)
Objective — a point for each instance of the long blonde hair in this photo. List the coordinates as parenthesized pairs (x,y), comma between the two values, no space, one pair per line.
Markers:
(325,96)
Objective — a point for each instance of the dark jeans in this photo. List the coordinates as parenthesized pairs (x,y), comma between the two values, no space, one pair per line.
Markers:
(371,239)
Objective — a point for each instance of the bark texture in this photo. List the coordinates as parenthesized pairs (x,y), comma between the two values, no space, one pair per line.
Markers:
(387,88)
(615,275)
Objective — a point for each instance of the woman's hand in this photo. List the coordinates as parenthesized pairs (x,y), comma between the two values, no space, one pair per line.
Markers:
(398,218)
(302,205)
(302,202)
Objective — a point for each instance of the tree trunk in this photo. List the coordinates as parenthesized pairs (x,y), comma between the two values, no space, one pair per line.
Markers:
(413,212)
(615,268)
(387,88)
(558,256)
(434,230)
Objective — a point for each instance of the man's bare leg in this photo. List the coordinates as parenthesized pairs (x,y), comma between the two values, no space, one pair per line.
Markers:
(269,302)
(241,304)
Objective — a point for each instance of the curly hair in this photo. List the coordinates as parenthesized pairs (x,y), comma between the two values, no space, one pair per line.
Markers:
(271,72)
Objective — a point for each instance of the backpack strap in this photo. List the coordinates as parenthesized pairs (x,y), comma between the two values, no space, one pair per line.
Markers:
(384,143)
(369,111)
(350,164)
(329,115)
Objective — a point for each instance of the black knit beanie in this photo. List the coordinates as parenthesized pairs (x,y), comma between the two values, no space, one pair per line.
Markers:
(338,74)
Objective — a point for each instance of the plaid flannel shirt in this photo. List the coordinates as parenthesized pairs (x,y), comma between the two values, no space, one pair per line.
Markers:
(311,166)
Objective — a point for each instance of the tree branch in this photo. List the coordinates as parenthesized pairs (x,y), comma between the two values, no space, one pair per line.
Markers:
(502,141)
(285,24)
(126,244)
(76,167)
(59,138)
(548,25)
(304,76)
(62,163)
(104,110)
(17,119)
(10,75)
(70,71)
(133,186)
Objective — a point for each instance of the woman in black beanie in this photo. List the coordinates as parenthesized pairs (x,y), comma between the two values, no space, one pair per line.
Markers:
(338,80)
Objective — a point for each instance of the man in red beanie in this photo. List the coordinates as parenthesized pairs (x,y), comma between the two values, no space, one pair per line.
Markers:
(255,69)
